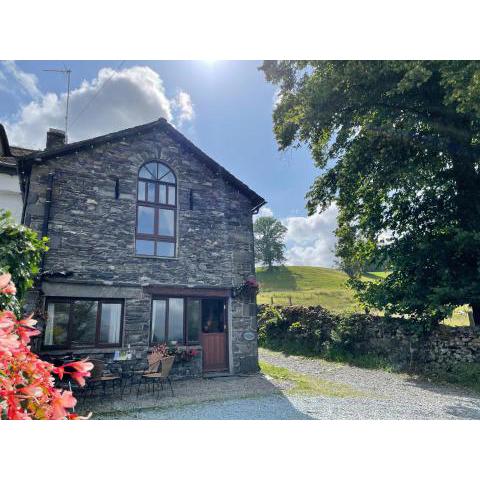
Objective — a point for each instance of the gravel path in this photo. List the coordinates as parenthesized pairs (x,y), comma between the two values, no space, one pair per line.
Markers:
(388,395)
(383,395)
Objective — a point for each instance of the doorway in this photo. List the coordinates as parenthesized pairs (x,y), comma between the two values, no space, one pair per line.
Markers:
(214,335)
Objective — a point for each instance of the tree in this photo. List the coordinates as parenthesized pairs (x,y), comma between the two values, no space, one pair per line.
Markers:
(399,145)
(269,241)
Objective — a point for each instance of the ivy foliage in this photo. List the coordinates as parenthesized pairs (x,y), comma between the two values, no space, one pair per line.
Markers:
(398,145)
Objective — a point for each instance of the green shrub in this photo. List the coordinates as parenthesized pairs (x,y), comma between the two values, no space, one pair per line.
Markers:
(351,333)
(302,329)
(20,252)
(464,374)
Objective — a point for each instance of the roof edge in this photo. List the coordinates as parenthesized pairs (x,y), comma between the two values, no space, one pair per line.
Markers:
(4,142)
(163,124)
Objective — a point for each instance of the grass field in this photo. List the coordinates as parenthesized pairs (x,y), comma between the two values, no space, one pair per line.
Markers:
(319,286)
(308,286)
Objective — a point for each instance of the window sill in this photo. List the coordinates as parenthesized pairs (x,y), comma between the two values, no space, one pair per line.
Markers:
(63,351)
(179,347)
(154,257)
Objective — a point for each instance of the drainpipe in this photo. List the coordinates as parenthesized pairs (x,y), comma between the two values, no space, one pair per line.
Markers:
(46,212)
(24,180)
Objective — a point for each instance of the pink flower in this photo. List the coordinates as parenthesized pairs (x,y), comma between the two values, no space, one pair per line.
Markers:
(80,365)
(28,321)
(9,342)
(81,369)
(32,390)
(60,402)
(4,280)
(7,320)
(10,289)
(6,285)
(79,377)
(27,387)
(59,371)
(74,416)
(26,333)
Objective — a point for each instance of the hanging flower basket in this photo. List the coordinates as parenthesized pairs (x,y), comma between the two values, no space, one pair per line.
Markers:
(185,356)
(181,355)
(248,287)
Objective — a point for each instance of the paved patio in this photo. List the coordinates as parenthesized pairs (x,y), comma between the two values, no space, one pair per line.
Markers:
(187,392)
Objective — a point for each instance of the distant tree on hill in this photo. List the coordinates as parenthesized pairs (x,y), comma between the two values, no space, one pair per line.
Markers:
(269,241)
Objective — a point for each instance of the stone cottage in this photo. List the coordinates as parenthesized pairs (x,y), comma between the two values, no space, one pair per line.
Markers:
(151,242)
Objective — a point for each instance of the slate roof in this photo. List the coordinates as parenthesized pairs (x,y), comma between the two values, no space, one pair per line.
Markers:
(160,124)
(8,162)
(20,151)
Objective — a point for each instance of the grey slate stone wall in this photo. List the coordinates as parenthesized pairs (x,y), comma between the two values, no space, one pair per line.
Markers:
(92,233)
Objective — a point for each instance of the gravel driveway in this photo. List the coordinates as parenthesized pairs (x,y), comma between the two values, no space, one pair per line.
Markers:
(379,395)
(387,395)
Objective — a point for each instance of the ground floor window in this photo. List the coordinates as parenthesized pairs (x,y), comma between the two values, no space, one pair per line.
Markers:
(78,323)
(181,320)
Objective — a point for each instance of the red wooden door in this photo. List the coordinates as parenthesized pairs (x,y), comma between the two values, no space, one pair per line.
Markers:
(214,334)
(214,352)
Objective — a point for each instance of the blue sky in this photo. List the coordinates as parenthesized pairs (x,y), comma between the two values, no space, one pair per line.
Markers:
(224,107)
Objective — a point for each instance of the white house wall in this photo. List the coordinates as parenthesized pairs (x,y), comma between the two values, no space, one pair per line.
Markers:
(10,196)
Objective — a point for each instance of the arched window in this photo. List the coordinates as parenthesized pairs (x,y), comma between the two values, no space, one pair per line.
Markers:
(156,211)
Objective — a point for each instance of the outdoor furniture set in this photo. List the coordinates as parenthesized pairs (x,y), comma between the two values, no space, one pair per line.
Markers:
(129,373)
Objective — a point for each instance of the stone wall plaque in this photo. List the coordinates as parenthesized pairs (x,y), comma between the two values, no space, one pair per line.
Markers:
(249,336)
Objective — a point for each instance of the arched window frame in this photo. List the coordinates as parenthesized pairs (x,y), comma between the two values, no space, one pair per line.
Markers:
(160,194)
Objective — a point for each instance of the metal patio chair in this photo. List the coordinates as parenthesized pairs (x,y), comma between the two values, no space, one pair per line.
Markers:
(98,377)
(154,359)
(153,376)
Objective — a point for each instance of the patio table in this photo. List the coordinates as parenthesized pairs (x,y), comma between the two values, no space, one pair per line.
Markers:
(129,370)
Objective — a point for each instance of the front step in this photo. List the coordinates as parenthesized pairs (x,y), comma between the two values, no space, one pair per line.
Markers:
(216,374)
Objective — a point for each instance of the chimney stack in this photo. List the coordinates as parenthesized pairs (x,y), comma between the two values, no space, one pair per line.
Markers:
(55,138)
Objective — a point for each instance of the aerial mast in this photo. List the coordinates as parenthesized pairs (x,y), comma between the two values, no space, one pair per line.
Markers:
(66,72)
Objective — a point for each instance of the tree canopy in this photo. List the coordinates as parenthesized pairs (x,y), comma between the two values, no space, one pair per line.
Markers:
(269,241)
(398,145)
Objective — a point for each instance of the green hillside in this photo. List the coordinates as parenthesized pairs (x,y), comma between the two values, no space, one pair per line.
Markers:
(319,286)
(306,286)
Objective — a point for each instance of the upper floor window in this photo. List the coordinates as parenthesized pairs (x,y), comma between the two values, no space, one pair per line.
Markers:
(156,211)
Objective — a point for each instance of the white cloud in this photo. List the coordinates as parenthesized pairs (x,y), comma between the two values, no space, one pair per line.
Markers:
(3,83)
(264,212)
(183,107)
(28,82)
(112,101)
(311,240)
(277,97)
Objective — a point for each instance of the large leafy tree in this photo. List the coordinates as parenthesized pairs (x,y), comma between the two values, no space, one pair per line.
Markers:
(269,241)
(398,143)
